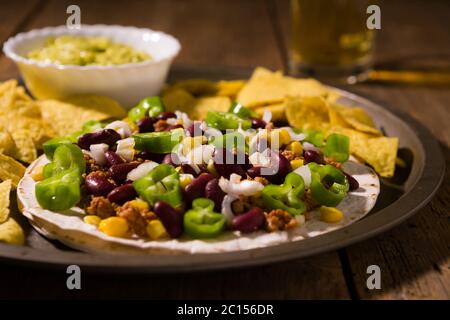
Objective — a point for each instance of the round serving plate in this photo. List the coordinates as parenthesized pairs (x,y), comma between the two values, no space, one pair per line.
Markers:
(399,198)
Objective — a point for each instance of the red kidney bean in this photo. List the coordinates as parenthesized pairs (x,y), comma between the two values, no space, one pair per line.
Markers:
(194,129)
(284,167)
(175,126)
(119,171)
(353,183)
(113,158)
(146,124)
(312,156)
(224,162)
(98,184)
(170,218)
(186,168)
(256,172)
(108,136)
(250,221)
(258,123)
(166,115)
(196,189)
(122,194)
(172,159)
(215,193)
(156,157)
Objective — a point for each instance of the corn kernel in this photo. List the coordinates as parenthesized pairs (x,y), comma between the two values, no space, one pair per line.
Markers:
(285,137)
(139,204)
(91,219)
(37,174)
(185,179)
(211,167)
(296,163)
(114,226)
(179,169)
(295,147)
(156,230)
(330,214)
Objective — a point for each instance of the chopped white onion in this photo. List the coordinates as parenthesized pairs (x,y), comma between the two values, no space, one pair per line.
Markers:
(98,152)
(184,118)
(309,146)
(121,127)
(267,116)
(125,149)
(258,142)
(141,170)
(295,136)
(305,173)
(236,187)
(201,154)
(260,159)
(226,208)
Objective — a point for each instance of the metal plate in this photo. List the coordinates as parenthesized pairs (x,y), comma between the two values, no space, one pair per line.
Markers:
(398,200)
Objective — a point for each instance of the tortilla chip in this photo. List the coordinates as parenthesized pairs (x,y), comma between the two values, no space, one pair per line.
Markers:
(381,153)
(11,169)
(205,104)
(5,190)
(336,118)
(11,232)
(358,119)
(307,112)
(7,145)
(178,99)
(196,87)
(68,115)
(266,87)
(230,88)
(278,111)
(25,149)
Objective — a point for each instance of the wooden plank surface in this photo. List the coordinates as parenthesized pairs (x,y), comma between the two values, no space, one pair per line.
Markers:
(230,33)
(414,257)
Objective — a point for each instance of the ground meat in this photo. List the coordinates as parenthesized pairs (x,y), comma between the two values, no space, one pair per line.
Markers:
(309,201)
(279,220)
(262,180)
(137,218)
(289,155)
(160,125)
(100,206)
(91,165)
(241,205)
(331,161)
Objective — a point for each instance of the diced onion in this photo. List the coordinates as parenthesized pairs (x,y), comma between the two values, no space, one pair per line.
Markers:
(184,118)
(260,159)
(201,154)
(267,116)
(309,146)
(226,208)
(236,187)
(98,152)
(305,173)
(121,127)
(125,149)
(295,136)
(141,170)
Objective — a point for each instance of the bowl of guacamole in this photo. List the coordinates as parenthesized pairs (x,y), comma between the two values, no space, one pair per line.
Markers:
(124,63)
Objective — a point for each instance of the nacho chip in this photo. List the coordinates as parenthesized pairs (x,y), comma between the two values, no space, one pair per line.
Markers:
(358,119)
(230,88)
(196,87)
(11,232)
(11,169)
(25,149)
(307,112)
(278,111)
(7,145)
(266,87)
(336,118)
(5,190)
(68,115)
(205,104)
(178,99)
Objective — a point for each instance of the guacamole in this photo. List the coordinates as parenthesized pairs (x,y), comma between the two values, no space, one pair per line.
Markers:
(85,51)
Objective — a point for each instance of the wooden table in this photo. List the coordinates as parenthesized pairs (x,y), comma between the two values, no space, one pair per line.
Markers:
(414,257)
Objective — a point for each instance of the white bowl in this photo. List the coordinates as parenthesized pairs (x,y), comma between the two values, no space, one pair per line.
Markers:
(127,83)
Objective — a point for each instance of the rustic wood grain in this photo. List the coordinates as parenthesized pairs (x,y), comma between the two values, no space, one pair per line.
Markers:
(226,33)
(414,257)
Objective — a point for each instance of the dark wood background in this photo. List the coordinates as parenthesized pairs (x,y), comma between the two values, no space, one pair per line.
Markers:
(414,257)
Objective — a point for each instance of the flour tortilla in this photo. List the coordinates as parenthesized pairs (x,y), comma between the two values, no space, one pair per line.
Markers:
(68,226)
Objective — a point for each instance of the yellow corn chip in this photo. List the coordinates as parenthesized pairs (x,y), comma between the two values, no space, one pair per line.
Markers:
(25,149)
(278,111)
(11,169)
(381,153)
(205,104)
(11,232)
(358,119)
(5,189)
(230,88)
(178,99)
(7,145)
(67,116)
(307,112)
(196,87)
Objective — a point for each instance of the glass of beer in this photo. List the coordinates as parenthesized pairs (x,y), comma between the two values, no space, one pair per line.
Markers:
(330,40)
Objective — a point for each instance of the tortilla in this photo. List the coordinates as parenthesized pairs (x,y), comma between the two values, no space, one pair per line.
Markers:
(69,228)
